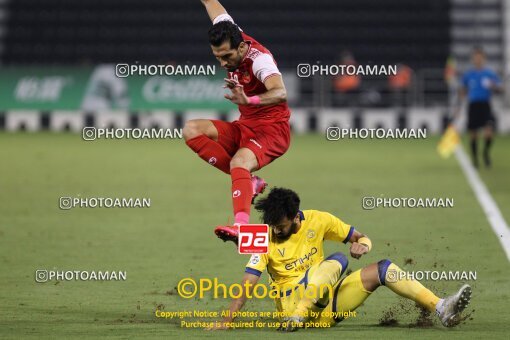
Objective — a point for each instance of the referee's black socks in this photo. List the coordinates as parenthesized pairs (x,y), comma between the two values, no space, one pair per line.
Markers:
(486,150)
(474,152)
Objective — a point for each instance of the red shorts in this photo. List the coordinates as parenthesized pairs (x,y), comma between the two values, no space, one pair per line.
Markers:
(267,141)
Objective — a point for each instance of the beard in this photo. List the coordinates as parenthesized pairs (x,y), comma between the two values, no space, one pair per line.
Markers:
(285,237)
(232,69)
(235,66)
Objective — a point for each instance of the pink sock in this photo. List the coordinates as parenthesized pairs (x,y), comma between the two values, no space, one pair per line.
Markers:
(242,218)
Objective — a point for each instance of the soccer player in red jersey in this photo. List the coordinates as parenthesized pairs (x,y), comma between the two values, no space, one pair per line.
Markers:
(262,132)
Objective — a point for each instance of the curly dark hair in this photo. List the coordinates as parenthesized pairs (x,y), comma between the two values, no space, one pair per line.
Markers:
(223,31)
(280,203)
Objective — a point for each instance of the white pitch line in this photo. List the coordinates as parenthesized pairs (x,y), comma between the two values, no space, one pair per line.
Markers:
(489,206)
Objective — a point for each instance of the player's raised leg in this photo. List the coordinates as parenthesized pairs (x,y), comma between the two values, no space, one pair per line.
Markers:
(391,276)
(202,137)
(325,275)
(386,273)
(348,295)
(359,285)
(241,166)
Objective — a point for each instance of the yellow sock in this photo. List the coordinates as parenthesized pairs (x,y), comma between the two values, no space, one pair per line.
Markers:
(410,289)
(327,273)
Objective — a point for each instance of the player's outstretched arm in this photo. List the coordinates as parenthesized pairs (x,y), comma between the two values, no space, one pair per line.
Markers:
(247,283)
(275,94)
(338,230)
(214,8)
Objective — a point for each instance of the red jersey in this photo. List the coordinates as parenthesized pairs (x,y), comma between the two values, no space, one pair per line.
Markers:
(257,65)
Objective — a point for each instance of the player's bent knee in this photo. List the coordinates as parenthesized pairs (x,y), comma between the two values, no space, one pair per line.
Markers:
(237,162)
(244,158)
(382,268)
(240,162)
(191,130)
(341,258)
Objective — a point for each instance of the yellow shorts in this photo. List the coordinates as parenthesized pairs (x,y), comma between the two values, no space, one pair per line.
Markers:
(347,295)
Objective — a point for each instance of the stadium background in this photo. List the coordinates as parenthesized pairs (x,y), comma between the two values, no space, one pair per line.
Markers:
(57,75)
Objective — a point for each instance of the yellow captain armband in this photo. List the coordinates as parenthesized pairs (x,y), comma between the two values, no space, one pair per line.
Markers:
(365,241)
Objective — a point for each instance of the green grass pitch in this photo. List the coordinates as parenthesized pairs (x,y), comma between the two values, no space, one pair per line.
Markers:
(173,239)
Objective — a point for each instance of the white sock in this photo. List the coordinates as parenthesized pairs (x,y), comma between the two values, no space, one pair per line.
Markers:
(439,306)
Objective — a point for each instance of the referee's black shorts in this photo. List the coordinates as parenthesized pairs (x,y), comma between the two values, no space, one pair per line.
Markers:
(479,115)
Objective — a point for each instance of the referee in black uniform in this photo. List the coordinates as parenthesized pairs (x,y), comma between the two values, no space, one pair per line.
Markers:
(478,83)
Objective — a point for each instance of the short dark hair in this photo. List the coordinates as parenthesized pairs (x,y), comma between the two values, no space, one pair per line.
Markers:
(223,31)
(280,203)
(478,49)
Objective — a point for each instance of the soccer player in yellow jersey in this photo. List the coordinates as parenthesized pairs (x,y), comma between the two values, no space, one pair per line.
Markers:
(295,261)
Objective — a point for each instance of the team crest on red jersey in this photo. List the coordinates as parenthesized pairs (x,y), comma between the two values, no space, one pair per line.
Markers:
(245,77)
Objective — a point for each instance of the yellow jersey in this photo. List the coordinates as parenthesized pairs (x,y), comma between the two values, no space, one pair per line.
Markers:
(288,260)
